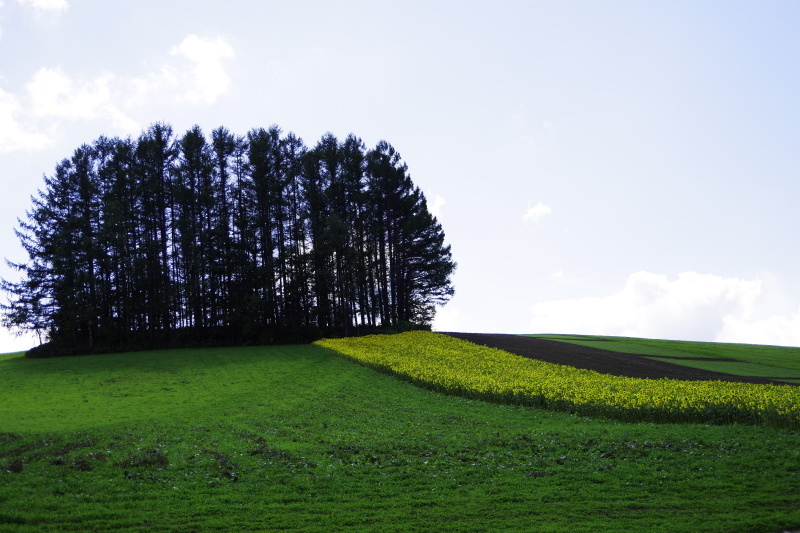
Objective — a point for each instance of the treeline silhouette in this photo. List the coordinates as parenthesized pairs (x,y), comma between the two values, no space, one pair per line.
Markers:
(165,241)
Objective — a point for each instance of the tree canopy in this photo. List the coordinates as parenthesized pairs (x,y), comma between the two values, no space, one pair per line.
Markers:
(172,241)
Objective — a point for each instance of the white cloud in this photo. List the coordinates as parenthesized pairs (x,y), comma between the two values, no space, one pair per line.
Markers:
(435,207)
(209,78)
(45,5)
(201,82)
(29,121)
(537,212)
(780,330)
(447,319)
(54,95)
(15,136)
(692,307)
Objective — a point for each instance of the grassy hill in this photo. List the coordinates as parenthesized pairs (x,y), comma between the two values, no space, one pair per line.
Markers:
(297,438)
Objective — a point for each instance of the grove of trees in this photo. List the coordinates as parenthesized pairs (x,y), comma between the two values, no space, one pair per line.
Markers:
(172,241)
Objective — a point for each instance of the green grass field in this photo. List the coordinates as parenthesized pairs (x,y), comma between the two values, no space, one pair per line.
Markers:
(294,438)
(750,359)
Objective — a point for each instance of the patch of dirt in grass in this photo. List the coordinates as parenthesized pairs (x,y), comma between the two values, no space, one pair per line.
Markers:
(14,466)
(605,361)
(146,459)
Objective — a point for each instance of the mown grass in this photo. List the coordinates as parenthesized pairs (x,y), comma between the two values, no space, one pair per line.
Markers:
(777,362)
(298,439)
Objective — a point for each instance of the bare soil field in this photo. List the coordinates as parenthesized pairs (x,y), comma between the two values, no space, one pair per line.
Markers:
(605,361)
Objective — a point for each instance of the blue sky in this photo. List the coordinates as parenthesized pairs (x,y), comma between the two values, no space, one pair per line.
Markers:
(622,168)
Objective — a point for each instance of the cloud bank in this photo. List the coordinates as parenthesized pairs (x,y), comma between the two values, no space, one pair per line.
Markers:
(30,121)
(694,306)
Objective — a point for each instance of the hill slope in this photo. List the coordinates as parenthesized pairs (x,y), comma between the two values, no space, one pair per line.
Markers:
(298,439)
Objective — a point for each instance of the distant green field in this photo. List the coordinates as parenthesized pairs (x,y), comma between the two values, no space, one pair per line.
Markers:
(294,438)
(751,359)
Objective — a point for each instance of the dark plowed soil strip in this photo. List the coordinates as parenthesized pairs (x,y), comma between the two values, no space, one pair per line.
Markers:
(605,361)
(687,358)
(584,339)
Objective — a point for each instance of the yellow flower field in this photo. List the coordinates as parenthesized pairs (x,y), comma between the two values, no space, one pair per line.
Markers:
(458,367)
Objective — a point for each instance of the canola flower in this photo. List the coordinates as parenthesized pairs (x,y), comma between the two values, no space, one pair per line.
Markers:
(454,366)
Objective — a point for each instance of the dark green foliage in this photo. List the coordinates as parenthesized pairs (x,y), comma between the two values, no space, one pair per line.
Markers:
(168,241)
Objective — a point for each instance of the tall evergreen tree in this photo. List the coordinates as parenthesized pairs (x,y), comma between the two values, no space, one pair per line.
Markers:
(224,146)
(60,237)
(266,183)
(194,197)
(297,283)
(118,239)
(155,155)
(316,212)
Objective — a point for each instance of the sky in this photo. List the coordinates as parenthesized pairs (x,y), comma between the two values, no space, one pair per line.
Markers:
(619,167)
